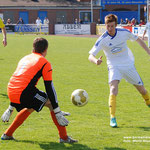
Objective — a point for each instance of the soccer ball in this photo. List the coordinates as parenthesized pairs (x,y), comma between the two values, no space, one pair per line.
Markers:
(79,97)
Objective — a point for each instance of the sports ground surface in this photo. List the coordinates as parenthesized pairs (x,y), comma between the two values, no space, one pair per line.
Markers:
(89,124)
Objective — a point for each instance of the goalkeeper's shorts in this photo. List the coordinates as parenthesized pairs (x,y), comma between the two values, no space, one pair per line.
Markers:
(34,98)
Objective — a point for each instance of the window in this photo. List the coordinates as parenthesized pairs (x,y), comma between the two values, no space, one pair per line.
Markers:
(85,16)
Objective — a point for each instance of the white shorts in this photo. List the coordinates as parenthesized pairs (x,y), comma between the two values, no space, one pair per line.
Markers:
(129,73)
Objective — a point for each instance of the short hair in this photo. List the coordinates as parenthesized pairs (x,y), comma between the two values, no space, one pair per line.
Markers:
(111,18)
(40,45)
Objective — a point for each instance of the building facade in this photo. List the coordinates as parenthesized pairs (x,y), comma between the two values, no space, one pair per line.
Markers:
(56,11)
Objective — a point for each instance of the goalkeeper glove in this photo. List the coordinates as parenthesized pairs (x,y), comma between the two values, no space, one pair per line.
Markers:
(6,115)
(65,113)
(60,118)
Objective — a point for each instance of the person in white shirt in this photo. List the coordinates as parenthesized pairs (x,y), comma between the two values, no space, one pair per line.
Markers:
(46,21)
(38,21)
(120,61)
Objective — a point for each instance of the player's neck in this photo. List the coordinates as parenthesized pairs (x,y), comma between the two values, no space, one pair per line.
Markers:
(112,33)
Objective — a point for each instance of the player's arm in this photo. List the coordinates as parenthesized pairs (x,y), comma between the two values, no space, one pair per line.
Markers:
(95,49)
(94,60)
(50,90)
(4,36)
(143,45)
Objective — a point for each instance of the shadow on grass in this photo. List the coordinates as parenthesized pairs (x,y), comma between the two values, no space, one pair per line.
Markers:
(114,148)
(57,146)
(144,128)
(4,95)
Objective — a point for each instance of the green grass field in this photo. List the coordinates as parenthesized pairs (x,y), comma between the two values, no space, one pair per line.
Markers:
(88,124)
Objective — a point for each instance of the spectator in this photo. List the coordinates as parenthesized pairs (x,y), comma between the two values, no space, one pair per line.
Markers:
(76,21)
(126,21)
(141,23)
(133,22)
(46,21)
(38,21)
(80,21)
(122,21)
(8,21)
(98,21)
(129,23)
(20,21)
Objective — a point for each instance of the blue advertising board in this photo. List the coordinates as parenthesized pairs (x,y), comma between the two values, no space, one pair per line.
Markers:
(31,28)
(124,2)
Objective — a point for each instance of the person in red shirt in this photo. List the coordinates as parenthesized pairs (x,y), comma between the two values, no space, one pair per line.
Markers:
(26,98)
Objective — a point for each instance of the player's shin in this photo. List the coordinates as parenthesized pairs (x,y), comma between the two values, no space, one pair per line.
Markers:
(61,129)
(112,105)
(147,99)
(19,119)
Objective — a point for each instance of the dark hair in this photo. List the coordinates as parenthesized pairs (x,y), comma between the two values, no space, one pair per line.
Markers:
(40,45)
(111,18)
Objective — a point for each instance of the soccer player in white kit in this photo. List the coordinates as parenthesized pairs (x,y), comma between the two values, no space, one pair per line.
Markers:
(120,61)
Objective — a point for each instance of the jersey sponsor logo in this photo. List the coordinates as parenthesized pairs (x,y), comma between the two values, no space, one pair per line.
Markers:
(116,50)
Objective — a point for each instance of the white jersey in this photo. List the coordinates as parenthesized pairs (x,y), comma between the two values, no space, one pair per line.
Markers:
(115,48)
(38,21)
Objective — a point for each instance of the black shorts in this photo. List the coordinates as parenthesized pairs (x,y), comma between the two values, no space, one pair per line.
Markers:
(32,98)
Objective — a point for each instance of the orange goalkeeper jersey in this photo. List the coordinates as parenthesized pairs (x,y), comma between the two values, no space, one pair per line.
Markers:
(29,70)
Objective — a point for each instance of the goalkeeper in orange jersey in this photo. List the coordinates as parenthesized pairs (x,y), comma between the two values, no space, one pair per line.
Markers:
(26,98)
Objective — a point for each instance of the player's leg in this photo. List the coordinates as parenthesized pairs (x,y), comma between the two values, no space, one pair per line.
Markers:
(28,103)
(133,77)
(19,119)
(112,101)
(114,79)
(144,94)
(64,138)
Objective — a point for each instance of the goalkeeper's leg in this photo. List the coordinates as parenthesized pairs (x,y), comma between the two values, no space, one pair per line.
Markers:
(19,119)
(8,112)
(64,138)
(61,129)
